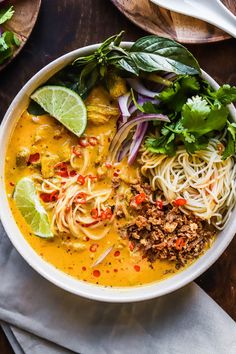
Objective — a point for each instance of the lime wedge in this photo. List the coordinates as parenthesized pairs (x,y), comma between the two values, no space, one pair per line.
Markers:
(63,104)
(31,209)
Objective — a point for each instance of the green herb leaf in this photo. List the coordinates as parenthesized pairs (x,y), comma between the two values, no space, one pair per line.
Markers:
(152,53)
(200,118)
(175,96)
(162,145)
(226,94)
(6,14)
(35,109)
(230,147)
(7,43)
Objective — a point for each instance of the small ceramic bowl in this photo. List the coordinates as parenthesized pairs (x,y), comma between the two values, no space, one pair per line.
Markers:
(115,294)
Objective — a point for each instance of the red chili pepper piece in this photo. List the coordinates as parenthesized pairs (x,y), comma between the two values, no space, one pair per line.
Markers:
(96,273)
(63,174)
(54,196)
(106,214)
(159,204)
(92,178)
(131,246)
(76,151)
(94,213)
(93,247)
(61,166)
(73,173)
(83,142)
(81,180)
(117,253)
(137,268)
(45,197)
(180,202)
(93,141)
(34,158)
(180,243)
(108,165)
(81,198)
(140,198)
(84,268)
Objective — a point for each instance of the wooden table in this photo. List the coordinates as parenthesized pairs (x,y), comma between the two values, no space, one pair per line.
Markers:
(64,25)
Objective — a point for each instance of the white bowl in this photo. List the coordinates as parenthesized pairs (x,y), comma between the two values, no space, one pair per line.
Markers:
(56,276)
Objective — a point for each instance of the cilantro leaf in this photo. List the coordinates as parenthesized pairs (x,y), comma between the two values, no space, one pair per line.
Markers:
(175,96)
(7,43)
(230,148)
(226,94)
(198,117)
(6,15)
(162,145)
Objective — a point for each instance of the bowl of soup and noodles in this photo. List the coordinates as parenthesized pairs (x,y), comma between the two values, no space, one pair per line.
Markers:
(121,188)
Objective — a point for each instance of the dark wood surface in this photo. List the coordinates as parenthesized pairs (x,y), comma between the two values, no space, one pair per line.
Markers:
(22,23)
(162,22)
(64,25)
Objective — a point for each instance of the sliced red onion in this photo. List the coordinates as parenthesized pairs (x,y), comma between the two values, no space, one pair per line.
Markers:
(1,31)
(124,130)
(137,141)
(124,150)
(138,87)
(123,102)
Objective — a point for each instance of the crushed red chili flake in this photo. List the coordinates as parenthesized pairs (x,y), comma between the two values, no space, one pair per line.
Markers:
(81,198)
(115,174)
(131,246)
(12,184)
(115,270)
(81,180)
(93,247)
(76,151)
(93,141)
(86,238)
(84,268)
(54,196)
(159,204)
(106,214)
(73,173)
(107,271)
(117,253)
(94,213)
(137,268)
(140,198)
(34,158)
(83,142)
(45,197)
(180,243)
(96,273)
(180,202)
(108,165)
(92,178)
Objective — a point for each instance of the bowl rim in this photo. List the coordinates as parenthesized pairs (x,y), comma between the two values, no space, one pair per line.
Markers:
(61,279)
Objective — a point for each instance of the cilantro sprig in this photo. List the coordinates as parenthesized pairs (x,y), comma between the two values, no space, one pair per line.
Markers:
(197,113)
(8,39)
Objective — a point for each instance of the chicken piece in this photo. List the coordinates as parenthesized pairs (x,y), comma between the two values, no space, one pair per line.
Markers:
(99,106)
(116,85)
(48,161)
(22,157)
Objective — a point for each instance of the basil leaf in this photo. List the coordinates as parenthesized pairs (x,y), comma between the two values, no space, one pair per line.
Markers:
(35,109)
(152,53)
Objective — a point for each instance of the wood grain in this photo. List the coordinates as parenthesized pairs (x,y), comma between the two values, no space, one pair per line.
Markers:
(22,23)
(64,25)
(159,21)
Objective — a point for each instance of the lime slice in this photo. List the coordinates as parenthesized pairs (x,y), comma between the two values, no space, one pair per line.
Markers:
(63,104)
(31,209)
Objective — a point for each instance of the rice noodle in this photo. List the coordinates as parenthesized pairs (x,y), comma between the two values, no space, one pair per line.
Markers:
(205,180)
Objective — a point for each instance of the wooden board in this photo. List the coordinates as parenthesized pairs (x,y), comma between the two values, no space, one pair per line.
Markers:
(22,22)
(159,21)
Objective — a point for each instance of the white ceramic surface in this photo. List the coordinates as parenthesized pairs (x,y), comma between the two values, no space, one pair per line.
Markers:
(50,272)
(211,11)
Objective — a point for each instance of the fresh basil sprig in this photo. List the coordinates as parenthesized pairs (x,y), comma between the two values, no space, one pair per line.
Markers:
(148,54)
